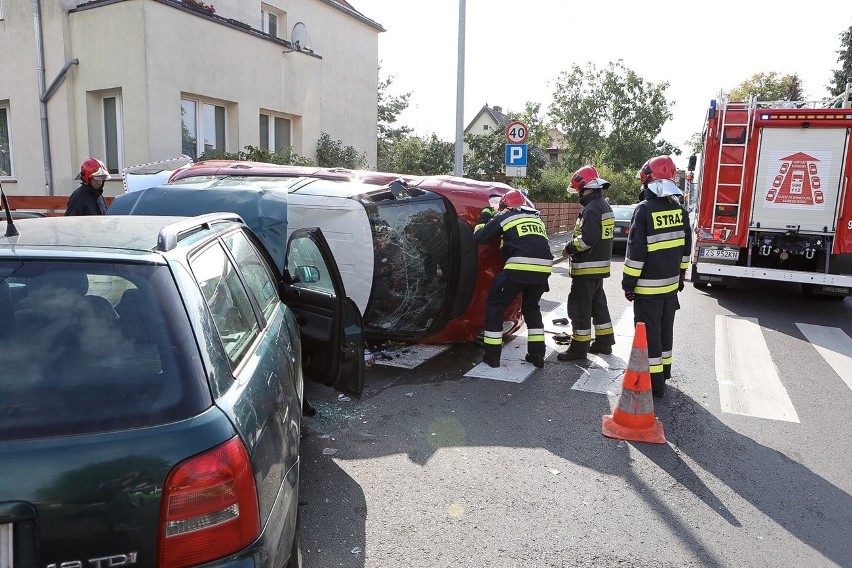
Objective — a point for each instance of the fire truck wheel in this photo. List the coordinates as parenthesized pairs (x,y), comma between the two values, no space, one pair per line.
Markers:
(700,285)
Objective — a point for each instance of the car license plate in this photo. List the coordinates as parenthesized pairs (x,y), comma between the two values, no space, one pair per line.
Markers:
(6,546)
(724,253)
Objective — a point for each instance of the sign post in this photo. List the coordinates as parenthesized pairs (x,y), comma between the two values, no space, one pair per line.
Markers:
(516,150)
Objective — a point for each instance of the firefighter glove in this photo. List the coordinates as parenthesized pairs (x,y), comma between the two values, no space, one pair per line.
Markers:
(682,278)
(629,295)
(485,215)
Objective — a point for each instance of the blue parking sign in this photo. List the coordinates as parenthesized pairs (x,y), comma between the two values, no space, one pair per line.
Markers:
(516,155)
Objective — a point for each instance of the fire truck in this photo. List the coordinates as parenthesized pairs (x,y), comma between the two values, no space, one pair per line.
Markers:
(772,200)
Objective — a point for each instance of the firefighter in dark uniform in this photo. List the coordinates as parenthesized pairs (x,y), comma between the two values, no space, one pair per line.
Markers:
(88,199)
(655,264)
(590,250)
(527,266)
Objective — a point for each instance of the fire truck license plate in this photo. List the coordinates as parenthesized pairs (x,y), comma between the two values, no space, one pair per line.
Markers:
(6,546)
(726,253)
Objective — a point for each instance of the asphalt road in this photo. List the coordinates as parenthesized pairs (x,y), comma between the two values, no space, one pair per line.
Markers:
(434,469)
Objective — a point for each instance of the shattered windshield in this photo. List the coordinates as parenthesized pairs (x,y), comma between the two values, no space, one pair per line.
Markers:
(411,275)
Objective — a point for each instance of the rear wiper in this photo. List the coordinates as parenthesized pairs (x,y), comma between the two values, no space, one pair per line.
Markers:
(11,230)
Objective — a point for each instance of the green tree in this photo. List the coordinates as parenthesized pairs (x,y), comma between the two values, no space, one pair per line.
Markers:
(333,154)
(768,86)
(390,107)
(388,133)
(551,186)
(611,117)
(286,156)
(485,155)
(419,156)
(844,58)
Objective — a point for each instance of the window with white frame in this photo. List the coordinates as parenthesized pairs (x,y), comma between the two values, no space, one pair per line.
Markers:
(272,20)
(202,126)
(5,141)
(112,132)
(1,9)
(274,132)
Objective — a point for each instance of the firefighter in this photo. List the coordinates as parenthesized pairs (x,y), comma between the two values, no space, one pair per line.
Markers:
(527,266)
(590,250)
(88,199)
(655,264)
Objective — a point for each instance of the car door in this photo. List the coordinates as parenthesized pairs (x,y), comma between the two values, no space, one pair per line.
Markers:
(331,327)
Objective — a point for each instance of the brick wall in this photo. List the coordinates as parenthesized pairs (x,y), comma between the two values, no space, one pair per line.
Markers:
(558,217)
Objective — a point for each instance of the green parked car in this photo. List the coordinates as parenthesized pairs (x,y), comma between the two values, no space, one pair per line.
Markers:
(151,388)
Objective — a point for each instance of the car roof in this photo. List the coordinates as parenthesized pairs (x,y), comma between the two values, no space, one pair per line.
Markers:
(103,235)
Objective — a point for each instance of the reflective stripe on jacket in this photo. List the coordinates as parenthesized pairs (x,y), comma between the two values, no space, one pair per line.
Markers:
(524,244)
(591,245)
(658,247)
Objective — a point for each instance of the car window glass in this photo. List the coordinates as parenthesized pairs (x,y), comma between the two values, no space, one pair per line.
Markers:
(412,263)
(94,347)
(228,301)
(255,271)
(623,213)
(306,266)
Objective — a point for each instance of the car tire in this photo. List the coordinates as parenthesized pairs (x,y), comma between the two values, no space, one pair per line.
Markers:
(296,550)
(700,285)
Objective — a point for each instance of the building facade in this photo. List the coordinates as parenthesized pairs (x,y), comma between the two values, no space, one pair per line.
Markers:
(136,81)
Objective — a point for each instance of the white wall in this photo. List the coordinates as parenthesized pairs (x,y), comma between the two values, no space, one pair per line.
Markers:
(153,52)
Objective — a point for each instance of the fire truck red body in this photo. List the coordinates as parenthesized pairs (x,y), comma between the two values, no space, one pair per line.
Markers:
(773,200)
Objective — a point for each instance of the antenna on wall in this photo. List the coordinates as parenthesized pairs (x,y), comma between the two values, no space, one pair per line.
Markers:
(299,37)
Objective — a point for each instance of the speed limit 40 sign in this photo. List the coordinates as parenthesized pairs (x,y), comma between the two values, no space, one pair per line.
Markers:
(517,132)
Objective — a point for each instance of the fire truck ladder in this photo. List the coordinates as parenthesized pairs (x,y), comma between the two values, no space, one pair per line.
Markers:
(734,130)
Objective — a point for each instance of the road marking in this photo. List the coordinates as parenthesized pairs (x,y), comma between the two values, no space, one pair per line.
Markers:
(834,346)
(512,367)
(606,373)
(748,380)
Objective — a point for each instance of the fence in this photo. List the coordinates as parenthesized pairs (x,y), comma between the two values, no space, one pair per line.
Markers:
(50,205)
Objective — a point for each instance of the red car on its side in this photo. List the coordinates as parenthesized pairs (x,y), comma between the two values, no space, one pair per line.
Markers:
(452,307)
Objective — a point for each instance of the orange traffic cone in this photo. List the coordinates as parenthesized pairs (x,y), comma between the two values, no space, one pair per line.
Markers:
(633,417)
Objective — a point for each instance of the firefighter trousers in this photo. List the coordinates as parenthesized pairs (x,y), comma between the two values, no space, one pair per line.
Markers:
(587,305)
(658,314)
(504,290)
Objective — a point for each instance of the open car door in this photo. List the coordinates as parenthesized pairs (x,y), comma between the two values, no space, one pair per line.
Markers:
(331,326)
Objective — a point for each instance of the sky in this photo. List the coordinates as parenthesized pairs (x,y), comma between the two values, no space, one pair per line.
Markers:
(515,50)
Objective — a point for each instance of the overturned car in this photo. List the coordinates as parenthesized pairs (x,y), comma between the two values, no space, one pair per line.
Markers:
(404,244)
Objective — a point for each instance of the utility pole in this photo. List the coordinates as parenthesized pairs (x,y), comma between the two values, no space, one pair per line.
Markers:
(459,169)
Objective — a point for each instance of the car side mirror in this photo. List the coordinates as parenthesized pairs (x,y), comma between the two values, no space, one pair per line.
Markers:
(307,274)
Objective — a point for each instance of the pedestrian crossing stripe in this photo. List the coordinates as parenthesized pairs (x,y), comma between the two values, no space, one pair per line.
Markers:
(834,346)
(748,380)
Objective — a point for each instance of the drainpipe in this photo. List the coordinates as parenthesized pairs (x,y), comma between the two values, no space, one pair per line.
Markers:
(45,94)
(45,134)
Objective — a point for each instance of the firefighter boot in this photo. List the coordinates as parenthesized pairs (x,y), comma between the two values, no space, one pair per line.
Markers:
(536,360)
(492,355)
(576,351)
(598,347)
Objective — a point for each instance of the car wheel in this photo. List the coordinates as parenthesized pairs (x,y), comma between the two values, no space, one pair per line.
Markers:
(296,550)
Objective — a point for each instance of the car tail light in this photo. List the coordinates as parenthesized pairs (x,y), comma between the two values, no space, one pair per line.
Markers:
(209,507)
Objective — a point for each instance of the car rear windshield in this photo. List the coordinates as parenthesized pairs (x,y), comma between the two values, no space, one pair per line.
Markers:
(93,347)
(623,213)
